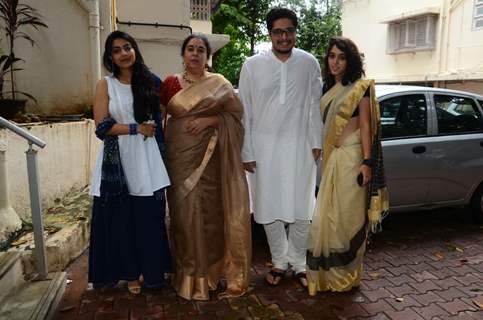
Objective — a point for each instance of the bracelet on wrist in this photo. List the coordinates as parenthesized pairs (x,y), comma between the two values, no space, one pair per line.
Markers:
(367,162)
(133,128)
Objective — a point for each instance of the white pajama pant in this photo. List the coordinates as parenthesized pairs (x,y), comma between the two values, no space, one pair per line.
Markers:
(288,246)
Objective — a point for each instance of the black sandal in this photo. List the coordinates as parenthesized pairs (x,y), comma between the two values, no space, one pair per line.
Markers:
(301,276)
(277,276)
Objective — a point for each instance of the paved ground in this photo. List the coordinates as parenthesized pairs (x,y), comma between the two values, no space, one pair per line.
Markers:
(422,266)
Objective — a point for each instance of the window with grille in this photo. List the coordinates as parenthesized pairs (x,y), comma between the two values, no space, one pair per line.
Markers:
(200,10)
(478,15)
(418,33)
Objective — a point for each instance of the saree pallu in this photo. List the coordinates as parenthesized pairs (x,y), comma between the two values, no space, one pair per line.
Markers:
(208,198)
(345,212)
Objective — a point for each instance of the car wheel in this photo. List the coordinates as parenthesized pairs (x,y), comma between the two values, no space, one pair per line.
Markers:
(477,204)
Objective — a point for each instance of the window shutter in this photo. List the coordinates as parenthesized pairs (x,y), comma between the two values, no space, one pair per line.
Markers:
(402,35)
(421,32)
(411,30)
(392,30)
(431,34)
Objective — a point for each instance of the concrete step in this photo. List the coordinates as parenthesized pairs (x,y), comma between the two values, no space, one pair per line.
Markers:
(11,273)
(34,300)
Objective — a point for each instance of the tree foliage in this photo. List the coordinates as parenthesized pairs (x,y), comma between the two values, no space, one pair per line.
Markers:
(318,22)
(244,22)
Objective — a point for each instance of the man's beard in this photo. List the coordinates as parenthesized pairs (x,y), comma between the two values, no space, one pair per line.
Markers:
(282,51)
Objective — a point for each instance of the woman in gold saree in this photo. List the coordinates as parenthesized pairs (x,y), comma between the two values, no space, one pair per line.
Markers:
(208,197)
(352,196)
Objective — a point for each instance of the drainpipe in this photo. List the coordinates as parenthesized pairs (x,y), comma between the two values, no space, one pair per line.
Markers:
(444,38)
(9,220)
(92,8)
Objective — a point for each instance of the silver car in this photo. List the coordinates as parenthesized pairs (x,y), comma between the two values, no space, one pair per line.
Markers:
(433,147)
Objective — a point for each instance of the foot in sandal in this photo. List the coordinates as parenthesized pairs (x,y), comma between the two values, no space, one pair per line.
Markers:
(302,278)
(134,287)
(274,276)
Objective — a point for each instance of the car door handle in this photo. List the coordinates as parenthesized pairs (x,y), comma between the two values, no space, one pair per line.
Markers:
(481,143)
(419,149)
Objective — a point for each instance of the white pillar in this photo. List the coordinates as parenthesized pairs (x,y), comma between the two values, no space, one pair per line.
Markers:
(92,8)
(9,220)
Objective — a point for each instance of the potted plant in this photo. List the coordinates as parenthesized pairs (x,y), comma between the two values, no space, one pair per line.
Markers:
(14,16)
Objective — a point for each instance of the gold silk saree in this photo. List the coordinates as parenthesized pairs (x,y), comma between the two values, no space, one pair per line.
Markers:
(345,212)
(208,198)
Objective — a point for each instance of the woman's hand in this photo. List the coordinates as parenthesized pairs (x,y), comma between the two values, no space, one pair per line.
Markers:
(147,129)
(197,125)
(366,174)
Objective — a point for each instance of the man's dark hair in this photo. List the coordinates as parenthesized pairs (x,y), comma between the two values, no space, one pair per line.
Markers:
(355,68)
(280,13)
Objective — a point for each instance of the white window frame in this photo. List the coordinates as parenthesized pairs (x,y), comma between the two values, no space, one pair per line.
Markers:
(477,17)
(410,30)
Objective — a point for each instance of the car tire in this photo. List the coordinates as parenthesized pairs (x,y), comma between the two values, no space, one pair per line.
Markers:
(476,205)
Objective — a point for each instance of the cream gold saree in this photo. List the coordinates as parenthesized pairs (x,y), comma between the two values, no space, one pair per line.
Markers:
(345,212)
(208,199)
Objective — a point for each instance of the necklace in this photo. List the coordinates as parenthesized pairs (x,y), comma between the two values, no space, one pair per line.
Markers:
(189,80)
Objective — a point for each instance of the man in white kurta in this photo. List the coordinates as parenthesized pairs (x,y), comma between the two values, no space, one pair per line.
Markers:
(280,90)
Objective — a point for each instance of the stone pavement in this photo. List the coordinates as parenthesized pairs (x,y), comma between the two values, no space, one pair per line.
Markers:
(424,265)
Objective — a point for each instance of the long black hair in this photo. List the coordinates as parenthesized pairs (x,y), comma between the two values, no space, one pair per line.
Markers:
(354,70)
(145,94)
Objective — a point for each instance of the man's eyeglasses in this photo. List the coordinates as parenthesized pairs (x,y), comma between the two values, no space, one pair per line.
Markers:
(126,48)
(279,32)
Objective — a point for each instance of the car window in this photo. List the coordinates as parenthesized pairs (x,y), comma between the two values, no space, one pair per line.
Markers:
(457,114)
(481,103)
(404,116)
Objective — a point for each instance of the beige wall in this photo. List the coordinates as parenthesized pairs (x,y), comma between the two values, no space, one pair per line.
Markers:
(58,70)
(201,26)
(160,46)
(465,54)
(458,53)
(65,162)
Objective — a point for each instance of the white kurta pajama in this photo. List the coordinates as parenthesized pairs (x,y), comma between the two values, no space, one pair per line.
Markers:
(282,126)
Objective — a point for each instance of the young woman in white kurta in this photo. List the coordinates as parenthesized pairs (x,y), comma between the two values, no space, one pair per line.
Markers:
(128,234)
(141,159)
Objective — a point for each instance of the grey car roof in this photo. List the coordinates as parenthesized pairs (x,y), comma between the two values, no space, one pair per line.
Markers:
(385,89)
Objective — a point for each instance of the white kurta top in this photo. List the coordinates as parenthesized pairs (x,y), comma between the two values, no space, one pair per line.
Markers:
(282,126)
(141,160)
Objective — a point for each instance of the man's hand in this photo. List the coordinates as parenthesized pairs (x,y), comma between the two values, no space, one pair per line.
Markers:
(250,166)
(316,153)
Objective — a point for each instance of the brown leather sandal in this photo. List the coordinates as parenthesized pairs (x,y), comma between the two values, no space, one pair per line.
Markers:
(277,276)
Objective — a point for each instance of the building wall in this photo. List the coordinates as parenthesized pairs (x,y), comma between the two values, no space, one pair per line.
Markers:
(160,46)
(201,26)
(65,162)
(458,53)
(57,72)
(465,49)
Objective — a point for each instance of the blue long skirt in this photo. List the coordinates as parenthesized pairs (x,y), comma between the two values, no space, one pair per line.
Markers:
(128,239)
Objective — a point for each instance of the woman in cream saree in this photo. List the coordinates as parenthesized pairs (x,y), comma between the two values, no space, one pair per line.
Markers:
(352,195)
(208,198)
